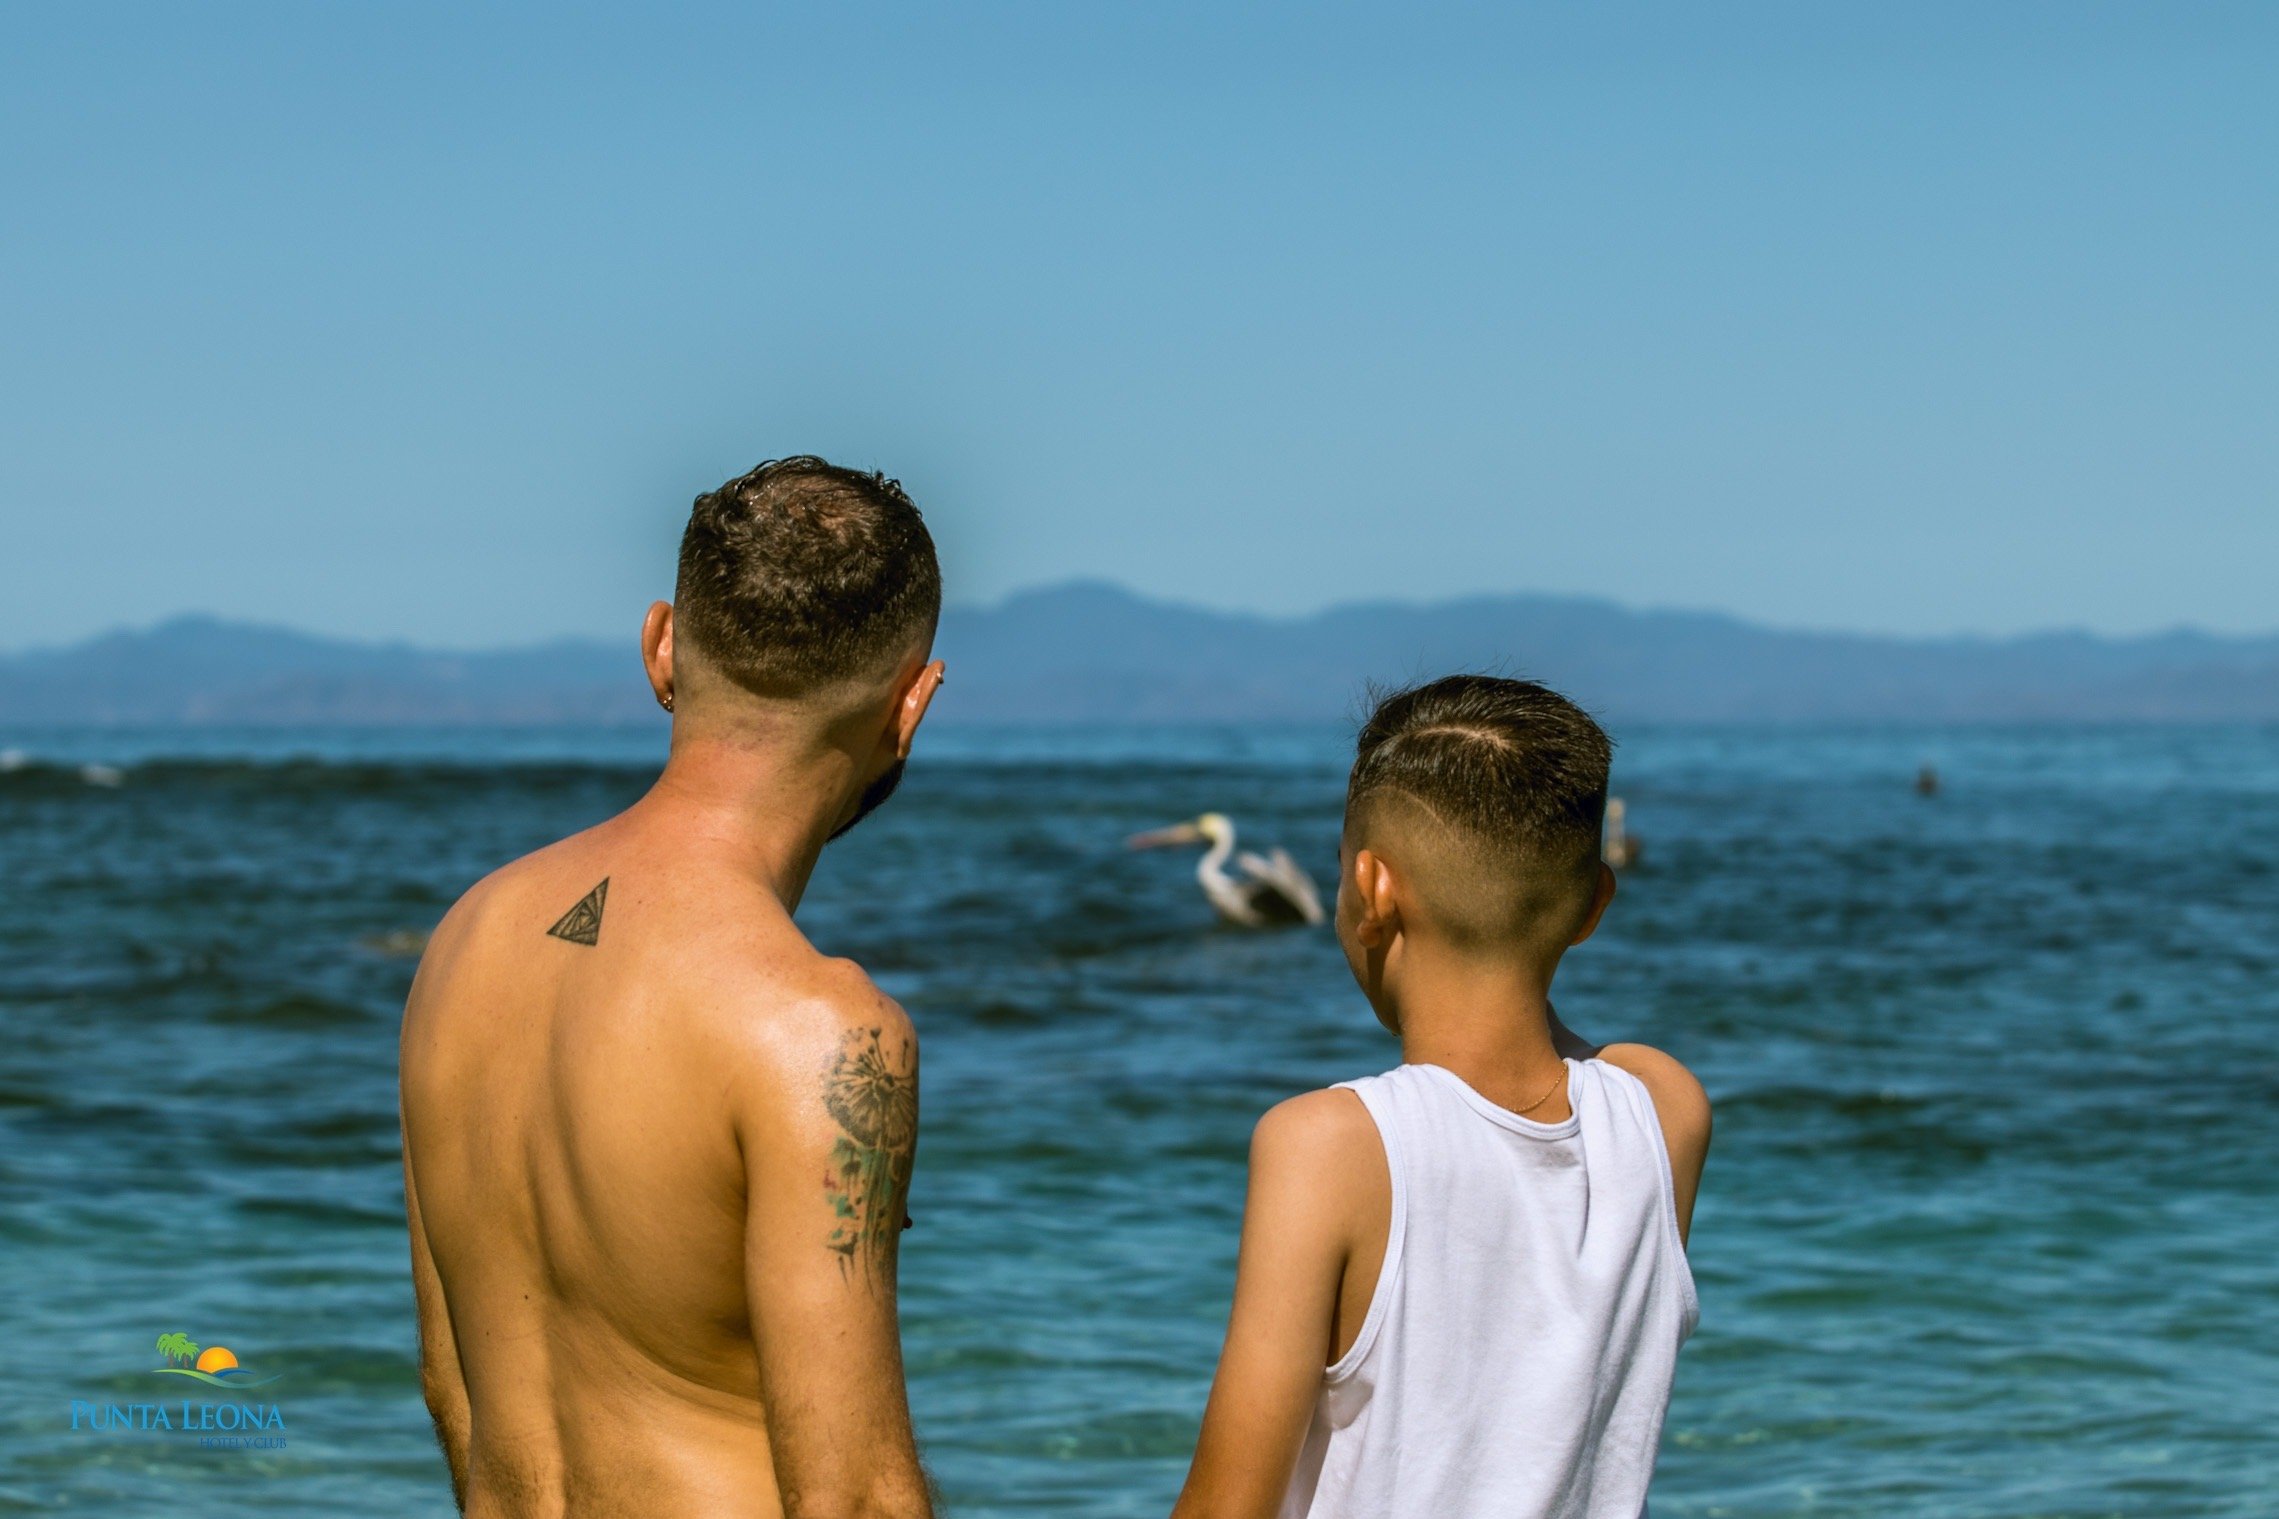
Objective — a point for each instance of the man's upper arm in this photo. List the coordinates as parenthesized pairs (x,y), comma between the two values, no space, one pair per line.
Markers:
(1683,1108)
(442,1379)
(827,1118)
(442,1382)
(1297,1233)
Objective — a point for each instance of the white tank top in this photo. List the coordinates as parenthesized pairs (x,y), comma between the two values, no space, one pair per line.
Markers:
(1516,1359)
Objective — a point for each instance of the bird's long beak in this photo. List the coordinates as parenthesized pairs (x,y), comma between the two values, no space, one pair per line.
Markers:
(1162,838)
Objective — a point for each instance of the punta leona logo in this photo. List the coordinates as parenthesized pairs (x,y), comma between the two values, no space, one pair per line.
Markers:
(224,1424)
(216,1364)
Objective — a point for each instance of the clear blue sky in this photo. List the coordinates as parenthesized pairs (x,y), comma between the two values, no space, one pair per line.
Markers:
(429,321)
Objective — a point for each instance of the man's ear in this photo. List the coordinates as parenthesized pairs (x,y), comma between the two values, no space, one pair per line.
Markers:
(1601,895)
(657,651)
(910,711)
(1380,914)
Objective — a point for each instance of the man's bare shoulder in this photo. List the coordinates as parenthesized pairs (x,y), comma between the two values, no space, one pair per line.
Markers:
(704,952)
(774,1017)
(779,1007)
(454,946)
(488,911)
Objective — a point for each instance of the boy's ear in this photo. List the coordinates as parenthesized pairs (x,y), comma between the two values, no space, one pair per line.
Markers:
(1602,894)
(1380,915)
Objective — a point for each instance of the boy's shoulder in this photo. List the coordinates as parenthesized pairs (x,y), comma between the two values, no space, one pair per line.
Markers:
(1322,1127)
(1319,1177)
(1679,1100)
(1657,1068)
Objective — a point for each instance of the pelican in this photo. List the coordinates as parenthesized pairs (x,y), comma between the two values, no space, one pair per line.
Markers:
(1275,890)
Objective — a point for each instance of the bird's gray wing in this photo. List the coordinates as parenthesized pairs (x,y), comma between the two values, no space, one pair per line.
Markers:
(1284,874)
(1233,902)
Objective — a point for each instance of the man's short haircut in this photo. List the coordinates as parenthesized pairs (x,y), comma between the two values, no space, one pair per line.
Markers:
(1512,771)
(801,575)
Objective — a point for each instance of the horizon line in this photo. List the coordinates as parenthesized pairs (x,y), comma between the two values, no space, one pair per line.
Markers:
(1178,604)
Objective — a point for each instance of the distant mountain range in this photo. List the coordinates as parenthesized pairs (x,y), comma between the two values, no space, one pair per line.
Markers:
(1092,652)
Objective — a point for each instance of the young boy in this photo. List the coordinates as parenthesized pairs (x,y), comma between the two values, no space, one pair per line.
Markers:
(1485,1248)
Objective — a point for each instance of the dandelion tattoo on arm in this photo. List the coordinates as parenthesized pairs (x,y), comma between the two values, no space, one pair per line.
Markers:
(873,1097)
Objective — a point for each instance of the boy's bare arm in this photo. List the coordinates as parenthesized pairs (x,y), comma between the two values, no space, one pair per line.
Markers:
(828,1122)
(1683,1109)
(1298,1231)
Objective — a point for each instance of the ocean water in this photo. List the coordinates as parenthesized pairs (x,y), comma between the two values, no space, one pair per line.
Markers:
(1989,1227)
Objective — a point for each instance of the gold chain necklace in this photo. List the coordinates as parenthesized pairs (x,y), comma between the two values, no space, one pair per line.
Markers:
(1546,1097)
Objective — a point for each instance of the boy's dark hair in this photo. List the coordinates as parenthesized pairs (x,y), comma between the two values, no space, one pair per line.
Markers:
(801,574)
(1516,767)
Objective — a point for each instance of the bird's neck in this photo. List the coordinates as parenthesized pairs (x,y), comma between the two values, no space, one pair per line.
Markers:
(1215,861)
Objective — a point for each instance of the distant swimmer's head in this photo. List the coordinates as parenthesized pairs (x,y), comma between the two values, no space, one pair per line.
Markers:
(1472,827)
(807,595)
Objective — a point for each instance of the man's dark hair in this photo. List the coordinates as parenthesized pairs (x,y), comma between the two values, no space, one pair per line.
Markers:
(801,574)
(1514,766)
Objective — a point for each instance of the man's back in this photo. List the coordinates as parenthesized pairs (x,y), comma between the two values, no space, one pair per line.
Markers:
(615,1058)
(656,1147)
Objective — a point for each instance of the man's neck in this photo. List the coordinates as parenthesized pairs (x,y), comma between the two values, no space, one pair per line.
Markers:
(767,804)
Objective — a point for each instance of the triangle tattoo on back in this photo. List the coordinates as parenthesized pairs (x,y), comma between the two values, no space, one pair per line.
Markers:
(582,923)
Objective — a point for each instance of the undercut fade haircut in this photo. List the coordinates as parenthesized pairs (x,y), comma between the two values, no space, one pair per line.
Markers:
(1514,767)
(802,575)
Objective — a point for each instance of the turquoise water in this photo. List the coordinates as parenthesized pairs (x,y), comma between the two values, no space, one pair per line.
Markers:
(1988,1229)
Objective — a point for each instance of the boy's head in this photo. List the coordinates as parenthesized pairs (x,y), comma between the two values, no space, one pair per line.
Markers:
(1472,825)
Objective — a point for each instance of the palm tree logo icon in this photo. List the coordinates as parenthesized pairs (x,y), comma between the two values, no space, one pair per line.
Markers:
(215,1364)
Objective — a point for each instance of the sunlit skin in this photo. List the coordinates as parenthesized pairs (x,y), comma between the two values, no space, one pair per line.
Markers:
(624,1180)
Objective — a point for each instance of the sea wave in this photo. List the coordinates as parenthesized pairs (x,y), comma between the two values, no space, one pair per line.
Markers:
(234,1378)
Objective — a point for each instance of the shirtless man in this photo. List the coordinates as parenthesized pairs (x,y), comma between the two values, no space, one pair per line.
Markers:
(656,1147)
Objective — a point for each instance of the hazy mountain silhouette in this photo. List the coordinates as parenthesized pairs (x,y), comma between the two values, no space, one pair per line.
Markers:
(1093,652)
